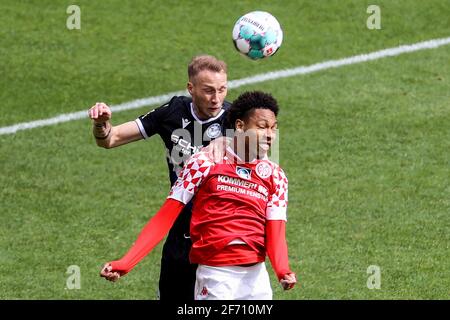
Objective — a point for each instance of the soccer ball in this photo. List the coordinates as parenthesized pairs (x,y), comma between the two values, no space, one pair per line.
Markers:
(257,35)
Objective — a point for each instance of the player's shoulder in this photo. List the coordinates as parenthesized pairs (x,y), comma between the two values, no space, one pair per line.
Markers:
(275,166)
(180,101)
(270,168)
(226,105)
(175,105)
(202,158)
(178,104)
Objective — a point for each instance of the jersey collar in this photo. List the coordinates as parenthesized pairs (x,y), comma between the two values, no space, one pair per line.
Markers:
(208,120)
(231,152)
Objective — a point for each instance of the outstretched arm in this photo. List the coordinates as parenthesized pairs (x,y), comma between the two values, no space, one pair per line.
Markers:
(189,180)
(153,232)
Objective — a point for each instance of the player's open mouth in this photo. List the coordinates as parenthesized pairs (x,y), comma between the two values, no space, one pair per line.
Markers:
(265,145)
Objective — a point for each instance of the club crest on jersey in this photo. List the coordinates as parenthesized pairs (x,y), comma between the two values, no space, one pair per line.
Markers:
(244,173)
(263,170)
(214,131)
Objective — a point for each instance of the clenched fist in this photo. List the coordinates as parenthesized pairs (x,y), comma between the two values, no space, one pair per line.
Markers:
(106,272)
(100,112)
(289,281)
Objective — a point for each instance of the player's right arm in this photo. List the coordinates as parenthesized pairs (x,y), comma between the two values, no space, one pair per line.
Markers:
(108,136)
(153,232)
(194,172)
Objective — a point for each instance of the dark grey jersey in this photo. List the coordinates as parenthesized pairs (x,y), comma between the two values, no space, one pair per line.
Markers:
(181,130)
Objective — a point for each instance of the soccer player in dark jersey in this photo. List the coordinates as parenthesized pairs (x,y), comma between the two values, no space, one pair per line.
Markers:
(185,125)
(238,215)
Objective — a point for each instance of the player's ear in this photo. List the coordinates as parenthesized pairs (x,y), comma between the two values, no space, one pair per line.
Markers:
(239,124)
(190,87)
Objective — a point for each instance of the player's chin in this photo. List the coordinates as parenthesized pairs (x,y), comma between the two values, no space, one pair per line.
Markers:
(214,111)
(263,149)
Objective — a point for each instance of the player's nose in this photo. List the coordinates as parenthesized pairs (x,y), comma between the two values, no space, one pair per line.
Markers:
(215,97)
(271,134)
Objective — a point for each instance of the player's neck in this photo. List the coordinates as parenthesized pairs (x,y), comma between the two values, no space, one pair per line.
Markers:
(243,152)
(198,114)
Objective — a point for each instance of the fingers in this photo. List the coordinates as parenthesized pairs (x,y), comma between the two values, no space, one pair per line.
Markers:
(213,151)
(107,273)
(218,152)
(107,268)
(218,149)
(100,111)
(289,281)
(114,276)
(286,284)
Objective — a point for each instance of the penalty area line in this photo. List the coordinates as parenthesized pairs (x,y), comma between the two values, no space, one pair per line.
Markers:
(233,84)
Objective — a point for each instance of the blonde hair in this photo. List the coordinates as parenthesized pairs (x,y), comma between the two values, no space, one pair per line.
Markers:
(205,62)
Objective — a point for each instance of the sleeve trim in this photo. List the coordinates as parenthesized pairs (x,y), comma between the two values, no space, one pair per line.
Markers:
(180,194)
(141,128)
(276,213)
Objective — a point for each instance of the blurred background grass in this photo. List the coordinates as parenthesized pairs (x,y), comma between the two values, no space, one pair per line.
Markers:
(365,147)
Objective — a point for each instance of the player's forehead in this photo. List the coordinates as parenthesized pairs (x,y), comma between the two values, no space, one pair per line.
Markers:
(262,115)
(207,78)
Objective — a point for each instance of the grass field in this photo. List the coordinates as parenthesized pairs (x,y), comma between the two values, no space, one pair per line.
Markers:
(366,147)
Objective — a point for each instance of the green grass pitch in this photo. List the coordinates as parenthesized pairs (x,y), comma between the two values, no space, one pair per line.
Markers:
(366,147)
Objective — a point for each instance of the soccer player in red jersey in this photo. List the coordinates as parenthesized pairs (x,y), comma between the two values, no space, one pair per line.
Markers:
(238,214)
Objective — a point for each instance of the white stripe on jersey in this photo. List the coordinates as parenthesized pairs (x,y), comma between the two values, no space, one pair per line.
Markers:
(141,128)
(180,194)
(276,213)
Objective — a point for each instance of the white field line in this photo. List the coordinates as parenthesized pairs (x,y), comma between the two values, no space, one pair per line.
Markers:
(233,84)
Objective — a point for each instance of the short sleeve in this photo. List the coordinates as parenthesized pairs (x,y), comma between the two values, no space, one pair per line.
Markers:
(278,199)
(191,176)
(150,122)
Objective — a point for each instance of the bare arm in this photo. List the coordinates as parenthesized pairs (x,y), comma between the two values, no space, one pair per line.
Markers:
(109,136)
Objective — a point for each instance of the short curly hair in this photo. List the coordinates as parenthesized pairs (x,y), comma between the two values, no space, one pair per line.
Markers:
(247,102)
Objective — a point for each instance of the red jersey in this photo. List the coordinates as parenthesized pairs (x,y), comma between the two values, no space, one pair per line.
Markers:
(232,202)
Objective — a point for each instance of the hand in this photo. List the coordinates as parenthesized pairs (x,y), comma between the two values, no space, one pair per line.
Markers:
(217,148)
(107,273)
(288,281)
(100,112)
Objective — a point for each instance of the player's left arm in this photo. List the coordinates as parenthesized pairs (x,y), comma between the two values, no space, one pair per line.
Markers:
(276,244)
(277,251)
